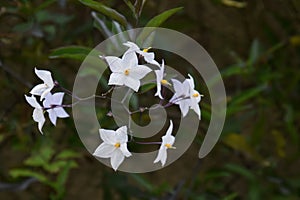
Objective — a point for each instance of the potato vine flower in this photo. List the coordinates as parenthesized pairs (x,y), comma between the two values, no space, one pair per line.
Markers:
(38,112)
(182,95)
(195,97)
(160,80)
(148,56)
(53,105)
(167,142)
(186,96)
(114,146)
(44,88)
(126,71)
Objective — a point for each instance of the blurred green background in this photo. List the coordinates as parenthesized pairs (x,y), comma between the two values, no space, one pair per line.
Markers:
(255,44)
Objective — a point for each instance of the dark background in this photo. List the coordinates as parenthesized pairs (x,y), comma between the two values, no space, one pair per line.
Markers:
(254,43)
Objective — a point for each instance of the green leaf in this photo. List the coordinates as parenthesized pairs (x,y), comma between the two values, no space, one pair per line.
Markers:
(254,53)
(156,22)
(41,158)
(146,87)
(241,171)
(67,154)
(55,167)
(161,18)
(143,182)
(246,95)
(109,12)
(16,173)
(73,52)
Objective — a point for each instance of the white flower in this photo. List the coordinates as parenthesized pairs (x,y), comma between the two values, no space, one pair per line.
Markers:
(148,56)
(114,146)
(195,97)
(186,96)
(38,112)
(160,80)
(182,95)
(44,88)
(167,142)
(54,102)
(126,71)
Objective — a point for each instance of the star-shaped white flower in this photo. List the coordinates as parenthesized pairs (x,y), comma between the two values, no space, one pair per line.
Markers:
(114,146)
(126,71)
(186,96)
(167,142)
(38,112)
(53,105)
(160,80)
(148,56)
(182,95)
(44,88)
(195,97)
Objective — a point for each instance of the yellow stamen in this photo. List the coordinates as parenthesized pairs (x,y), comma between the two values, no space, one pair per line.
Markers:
(117,145)
(195,95)
(126,72)
(146,50)
(168,146)
(164,82)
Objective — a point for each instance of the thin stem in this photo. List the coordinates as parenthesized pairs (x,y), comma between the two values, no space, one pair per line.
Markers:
(149,143)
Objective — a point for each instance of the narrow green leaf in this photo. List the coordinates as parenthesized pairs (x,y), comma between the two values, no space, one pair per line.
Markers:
(156,22)
(16,173)
(161,18)
(254,53)
(143,182)
(245,95)
(73,52)
(241,171)
(147,87)
(67,154)
(109,12)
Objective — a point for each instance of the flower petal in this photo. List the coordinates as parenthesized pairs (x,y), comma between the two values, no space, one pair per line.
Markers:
(116,159)
(170,129)
(116,79)
(104,150)
(184,106)
(132,83)
(129,59)
(191,81)
(131,45)
(38,89)
(38,116)
(45,76)
(124,150)
(32,101)
(139,72)
(108,136)
(57,98)
(115,64)
(121,134)
(52,116)
(60,112)
(177,85)
(162,155)
(45,93)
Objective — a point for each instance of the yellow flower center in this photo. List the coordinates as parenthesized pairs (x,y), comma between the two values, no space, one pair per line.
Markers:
(146,50)
(168,146)
(117,145)
(195,95)
(126,72)
(164,82)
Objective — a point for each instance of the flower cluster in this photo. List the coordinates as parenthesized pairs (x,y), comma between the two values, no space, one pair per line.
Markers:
(51,103)
(126,72)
